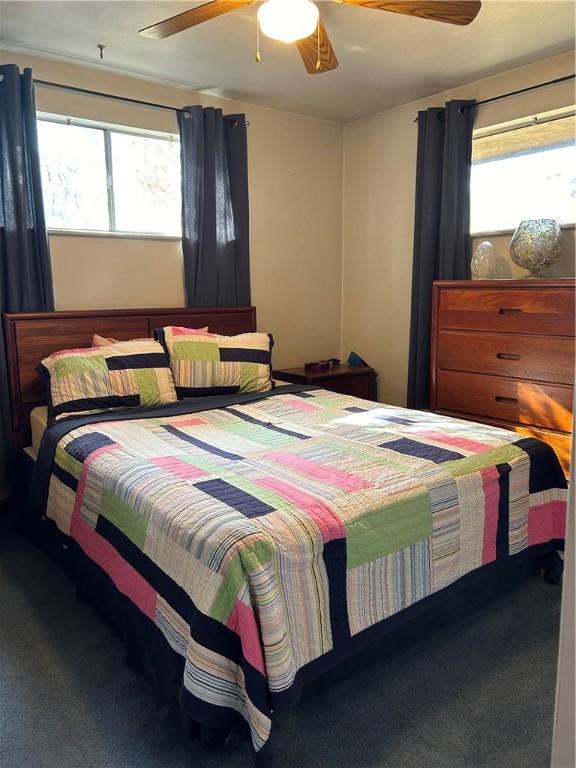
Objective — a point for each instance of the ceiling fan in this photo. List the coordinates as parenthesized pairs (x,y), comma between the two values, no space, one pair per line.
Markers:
(299,21)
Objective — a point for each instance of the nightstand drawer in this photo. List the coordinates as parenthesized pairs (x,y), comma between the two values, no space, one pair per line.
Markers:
(523,402)
(522,357)
(345,379)
(524,310)
(358,386)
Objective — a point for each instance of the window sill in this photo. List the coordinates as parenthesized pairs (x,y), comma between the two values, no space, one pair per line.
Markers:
(121,235)
(500,232)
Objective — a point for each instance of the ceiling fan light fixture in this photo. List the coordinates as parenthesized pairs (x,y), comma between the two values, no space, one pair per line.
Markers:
(288,20)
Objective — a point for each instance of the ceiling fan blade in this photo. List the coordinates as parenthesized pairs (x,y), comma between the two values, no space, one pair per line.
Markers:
(308,48)
(460,12)
(192,17)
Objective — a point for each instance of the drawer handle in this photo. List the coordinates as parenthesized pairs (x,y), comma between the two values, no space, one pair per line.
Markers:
(507,356)
(500,399)
(510,311)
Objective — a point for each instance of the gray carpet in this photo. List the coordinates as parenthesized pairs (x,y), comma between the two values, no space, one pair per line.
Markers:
(476,694)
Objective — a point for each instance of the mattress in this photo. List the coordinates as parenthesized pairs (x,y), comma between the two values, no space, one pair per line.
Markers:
(263,534)
(38,423)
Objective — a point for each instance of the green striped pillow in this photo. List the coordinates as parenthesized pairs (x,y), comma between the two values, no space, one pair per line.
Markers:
(122,375)
(208,364)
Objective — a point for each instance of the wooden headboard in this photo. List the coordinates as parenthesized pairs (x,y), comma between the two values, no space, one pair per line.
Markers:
(32,336)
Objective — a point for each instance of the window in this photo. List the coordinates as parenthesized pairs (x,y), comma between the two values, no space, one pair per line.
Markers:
(105,180)
(73,176)
(527,172)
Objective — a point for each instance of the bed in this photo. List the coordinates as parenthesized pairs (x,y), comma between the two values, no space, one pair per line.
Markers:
(245,544)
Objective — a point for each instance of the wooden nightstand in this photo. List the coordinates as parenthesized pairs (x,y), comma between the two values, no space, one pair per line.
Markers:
(346,379)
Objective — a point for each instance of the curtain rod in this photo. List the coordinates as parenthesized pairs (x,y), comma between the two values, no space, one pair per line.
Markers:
(111,96)
(522,90)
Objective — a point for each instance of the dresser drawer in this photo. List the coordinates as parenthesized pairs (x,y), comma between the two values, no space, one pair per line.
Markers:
(522,357)
(522,310)
(522,402)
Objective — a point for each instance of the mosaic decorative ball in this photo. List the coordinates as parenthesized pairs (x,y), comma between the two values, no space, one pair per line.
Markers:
(536,244)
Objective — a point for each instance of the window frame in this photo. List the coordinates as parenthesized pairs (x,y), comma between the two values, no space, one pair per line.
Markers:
(107,129)
(513,125)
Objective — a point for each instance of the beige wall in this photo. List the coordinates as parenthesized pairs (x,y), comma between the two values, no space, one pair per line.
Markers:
(564,741)
(295,176)
(379,184)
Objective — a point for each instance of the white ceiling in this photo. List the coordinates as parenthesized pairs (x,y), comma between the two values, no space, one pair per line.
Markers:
(385,59)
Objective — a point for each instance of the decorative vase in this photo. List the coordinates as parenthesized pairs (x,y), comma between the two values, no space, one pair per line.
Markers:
(536,245)
(482,264)
(487,264)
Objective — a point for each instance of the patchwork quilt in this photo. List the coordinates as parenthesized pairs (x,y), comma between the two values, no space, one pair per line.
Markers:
(264,533)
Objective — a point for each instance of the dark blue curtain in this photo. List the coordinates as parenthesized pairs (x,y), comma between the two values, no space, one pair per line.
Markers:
(25,272)
(215,229)
(441,226)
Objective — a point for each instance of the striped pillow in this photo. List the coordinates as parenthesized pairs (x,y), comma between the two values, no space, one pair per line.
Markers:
(121,375)
(105,341)
(208,364)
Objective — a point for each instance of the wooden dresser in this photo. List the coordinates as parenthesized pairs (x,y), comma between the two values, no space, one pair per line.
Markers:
(503,354)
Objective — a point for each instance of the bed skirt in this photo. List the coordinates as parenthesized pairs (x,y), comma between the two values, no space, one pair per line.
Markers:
(148,652)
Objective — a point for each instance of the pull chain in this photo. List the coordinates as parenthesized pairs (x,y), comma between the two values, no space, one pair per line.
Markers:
(318,64)
(258,57)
